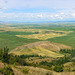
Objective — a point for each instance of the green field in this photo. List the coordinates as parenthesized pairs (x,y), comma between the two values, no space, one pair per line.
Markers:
(12,41)
(8,33)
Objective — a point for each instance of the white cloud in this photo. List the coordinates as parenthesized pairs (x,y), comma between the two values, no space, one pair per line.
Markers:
(21,16)
(62,9)
(56,15)
(73,14)
(62,13)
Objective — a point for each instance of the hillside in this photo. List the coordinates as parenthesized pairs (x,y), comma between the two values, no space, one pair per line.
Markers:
(44,48)
(38,71)
(29,70)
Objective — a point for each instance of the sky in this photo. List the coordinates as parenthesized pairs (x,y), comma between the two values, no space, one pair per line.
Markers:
(37,10)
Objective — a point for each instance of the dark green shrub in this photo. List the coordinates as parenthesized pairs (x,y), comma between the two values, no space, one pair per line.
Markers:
(58,68)
(7,71)
(49,73)
(25,70)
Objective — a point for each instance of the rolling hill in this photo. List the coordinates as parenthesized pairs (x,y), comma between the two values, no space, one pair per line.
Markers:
(44,48)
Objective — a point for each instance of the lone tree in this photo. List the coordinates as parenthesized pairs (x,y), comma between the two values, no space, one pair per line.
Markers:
(4,54)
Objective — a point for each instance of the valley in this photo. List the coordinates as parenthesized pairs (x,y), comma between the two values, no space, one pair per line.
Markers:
(37,48)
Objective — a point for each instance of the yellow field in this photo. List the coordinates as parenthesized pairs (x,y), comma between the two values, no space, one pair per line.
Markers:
(41,36)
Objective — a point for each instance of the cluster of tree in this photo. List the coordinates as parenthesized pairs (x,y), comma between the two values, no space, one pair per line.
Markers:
(58,61)
(69,51)
(57,64)
(50,66)
(28,56)
(9,58)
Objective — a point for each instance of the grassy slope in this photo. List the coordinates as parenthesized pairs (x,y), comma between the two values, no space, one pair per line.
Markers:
(34,71)
(67,40)
(43,48)
(39,71)
(70,66)
(38,51)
